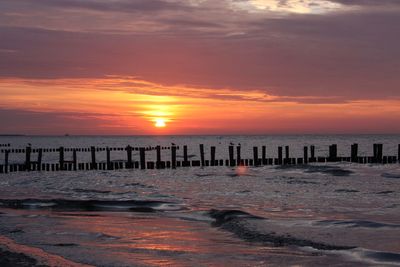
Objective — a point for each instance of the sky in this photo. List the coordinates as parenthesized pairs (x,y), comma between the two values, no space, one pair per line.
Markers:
(123,67)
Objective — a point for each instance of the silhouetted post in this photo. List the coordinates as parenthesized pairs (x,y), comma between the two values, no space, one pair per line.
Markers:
(39,159)
(312,150)
(28,151)
(280,156)
(142,154)
(202,155)
(7,152)
(185,155)
(255,155)
(74,159)
(264,155)
(380,153)
(375,156)
(108,158)
(354,153)
(287,155)
(213,156)
(305,154)
(238,155)
(333,152)
(93,153)
(61,157)
(129,157)
(231,158)
(398,153)
(173,157)
(158,160)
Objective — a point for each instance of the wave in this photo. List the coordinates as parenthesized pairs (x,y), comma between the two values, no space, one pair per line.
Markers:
(331,170)
(357,223)
(237,222)
(91,205)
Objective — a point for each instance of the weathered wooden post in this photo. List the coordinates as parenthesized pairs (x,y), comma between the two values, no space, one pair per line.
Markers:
(238,155)
(398,153)
(129,164)
(158,157)
(255,156)
(264,155)
(93,153)
(312,150)
(7,152)
(231,157)
(28,151)
(202,155)
(61,157)
(39,159)
(280,156)
(333,152)
(142,154)
(213,156)
(354,153)
(74,159)
(185,155)
(287,155)
(108,158)
(375,156)
(380,153)
(173,157)
(305,154)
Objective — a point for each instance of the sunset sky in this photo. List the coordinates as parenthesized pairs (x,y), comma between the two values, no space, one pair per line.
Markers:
(199,66)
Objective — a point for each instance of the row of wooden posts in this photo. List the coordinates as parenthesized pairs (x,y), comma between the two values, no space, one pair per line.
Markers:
(5,145)
(73,165)
(83,149)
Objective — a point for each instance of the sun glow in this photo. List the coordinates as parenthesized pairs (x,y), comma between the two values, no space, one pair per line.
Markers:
(160,123)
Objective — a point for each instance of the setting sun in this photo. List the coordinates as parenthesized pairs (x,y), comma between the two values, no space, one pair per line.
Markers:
(160,123)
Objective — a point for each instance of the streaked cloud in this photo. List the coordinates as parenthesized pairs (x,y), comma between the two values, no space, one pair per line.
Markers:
(126,105)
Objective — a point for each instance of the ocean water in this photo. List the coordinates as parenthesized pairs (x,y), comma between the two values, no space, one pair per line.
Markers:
(331,214)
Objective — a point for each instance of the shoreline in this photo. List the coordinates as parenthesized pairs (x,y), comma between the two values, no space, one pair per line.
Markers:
(13,254)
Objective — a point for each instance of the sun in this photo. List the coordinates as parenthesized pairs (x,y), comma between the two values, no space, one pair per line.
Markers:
(160,123)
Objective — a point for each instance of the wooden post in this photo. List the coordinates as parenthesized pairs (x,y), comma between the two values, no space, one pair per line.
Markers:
(333,152)
(264,155)
(7,152)
(61,161)
(39,159)
(74,159)
(238,155)
(280,156)
(312,150)
(158,157)
(129,157)
(231,158)
(202,155)
(354,153)
(213,156)
(93,152)
(398,153)
(287,155)
(185,154)
(108,158)
(28,151)
(255,156)
(142,152)
(173,157)
(305,154)
(380,153)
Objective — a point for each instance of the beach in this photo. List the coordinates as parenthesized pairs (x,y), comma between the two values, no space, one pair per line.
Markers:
(336,214)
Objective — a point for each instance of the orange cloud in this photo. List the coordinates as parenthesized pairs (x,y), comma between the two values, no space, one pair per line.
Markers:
(127,105)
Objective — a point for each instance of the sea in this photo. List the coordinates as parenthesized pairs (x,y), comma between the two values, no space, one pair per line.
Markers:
(319,214)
